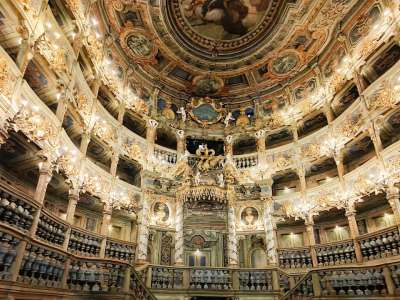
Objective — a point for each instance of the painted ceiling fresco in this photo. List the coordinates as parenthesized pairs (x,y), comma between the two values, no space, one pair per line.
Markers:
(224,19)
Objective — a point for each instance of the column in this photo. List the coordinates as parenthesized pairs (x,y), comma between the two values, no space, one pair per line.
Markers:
(260,138)
(302,177)
(179,233)
(180,143)
(25,54)
(62,108)
(391,287)
(360,82)
(309,222)
(338,157)
(351,218)
(374,134)
(143,229)
(392,196)
(229,147)
(107,212)
(95,85)
(45,174)
(232,240)
(3,136)
(85,140)
(270,232)
(73,199)
(330,116)
(114,163)
(77,43)
(121,113)
(151,135)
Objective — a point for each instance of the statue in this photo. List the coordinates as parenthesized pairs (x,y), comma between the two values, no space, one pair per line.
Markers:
(220,180)
(197,178)
(182,112)
(182,167)
(208,160)
(228,118)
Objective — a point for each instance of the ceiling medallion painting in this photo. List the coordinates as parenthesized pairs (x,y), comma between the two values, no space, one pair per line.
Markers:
(138,44)
(207,85)
(285,63)
(205,111)
(224,19)
(222,25)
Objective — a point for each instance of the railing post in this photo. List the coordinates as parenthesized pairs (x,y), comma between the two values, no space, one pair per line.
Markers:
(65,274)
(149,276)
(351,217)
(127,280)
(316,284)
(390,287)
(275,281)
(235,280)
(14,270)
(35,222)
(186,278)
(67,238)
(309,222)
(292,282)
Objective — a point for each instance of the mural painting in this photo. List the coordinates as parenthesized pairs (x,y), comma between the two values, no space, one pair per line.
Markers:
(224,19)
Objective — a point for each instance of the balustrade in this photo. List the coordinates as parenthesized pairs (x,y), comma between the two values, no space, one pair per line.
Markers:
(354,282)
(138,288)
(15,211)
(336,254)
(166,278)
(84,244)
(381,244)
(95,276)
(244,162)
(120,251)
(305,288)
(255,280)
(8,245)
(395,274)
(210,279)
(165,156)
(284,282)
(295,258)
(41,267)
(51,230)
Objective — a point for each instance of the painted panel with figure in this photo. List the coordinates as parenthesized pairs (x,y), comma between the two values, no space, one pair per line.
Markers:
(224,19)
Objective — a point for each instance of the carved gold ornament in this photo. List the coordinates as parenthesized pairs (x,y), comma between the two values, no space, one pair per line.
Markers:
(207,159)
(383,98)
(138,44)
(35,126)
(205,111)
(7,79)
(243,120)
(104,131)
(55,55)
(311,151)
(133,150)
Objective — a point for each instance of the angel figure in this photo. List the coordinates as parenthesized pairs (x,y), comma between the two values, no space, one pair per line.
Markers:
(182,112)
(220,179)
(197,178)
(228,118)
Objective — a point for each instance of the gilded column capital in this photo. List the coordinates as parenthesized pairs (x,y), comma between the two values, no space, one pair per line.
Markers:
(151,123)
(180,134)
